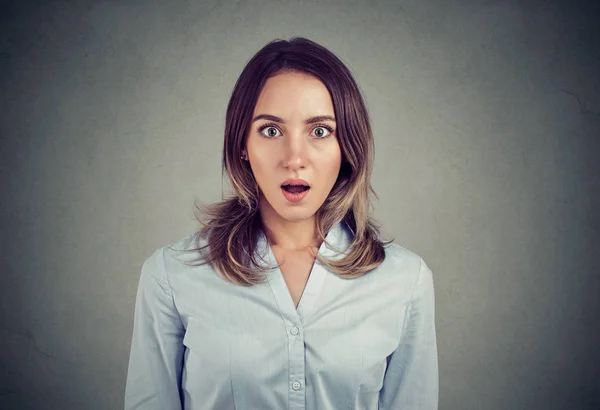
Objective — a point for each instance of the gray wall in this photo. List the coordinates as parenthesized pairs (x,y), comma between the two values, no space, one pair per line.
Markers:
(487,124)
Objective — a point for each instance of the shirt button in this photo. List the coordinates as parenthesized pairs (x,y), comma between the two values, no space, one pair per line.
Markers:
(296,385)
(294,331)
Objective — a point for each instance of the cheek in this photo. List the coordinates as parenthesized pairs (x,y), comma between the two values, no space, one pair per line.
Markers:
(262,168)
(262,156)
(330,166)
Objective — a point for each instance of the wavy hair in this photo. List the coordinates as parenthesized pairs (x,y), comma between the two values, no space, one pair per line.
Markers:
(231,228)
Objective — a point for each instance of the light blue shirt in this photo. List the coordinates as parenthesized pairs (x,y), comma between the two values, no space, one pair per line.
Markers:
(203,343)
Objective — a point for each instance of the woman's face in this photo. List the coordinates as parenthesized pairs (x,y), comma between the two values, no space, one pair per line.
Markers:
(287,147)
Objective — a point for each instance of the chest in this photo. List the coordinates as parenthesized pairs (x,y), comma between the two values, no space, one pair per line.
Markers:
(248,345)
(256,358)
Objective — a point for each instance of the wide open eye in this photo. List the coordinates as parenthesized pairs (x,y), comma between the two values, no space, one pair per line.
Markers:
(268,127)
(320,135)
(270,133)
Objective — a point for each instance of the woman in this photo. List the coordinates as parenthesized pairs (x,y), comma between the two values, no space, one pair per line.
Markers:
(296,302)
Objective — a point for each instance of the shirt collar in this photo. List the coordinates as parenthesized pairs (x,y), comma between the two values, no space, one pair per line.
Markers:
(337,239)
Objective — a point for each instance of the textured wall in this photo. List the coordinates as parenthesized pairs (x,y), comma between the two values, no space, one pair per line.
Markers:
(487,123)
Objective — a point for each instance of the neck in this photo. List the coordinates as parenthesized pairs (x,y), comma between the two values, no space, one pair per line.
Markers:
(289,235)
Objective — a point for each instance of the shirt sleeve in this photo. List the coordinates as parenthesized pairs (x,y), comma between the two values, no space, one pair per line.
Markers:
(411,380)
(155,361)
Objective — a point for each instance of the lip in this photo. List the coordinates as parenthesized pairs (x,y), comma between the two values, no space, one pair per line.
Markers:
(295,182)
(294,197)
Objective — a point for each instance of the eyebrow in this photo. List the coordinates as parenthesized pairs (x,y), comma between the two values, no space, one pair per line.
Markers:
(310,120)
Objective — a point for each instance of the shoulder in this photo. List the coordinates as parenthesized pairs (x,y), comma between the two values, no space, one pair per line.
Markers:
(407,269)
(182,250)
(154,269)
(401,259)
(175,254)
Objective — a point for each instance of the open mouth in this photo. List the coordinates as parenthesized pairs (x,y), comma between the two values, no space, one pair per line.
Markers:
(295,189)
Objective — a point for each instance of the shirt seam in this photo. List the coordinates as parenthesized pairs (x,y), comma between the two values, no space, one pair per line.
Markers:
(410,304)
(170,294)
(407,314)
(168,285)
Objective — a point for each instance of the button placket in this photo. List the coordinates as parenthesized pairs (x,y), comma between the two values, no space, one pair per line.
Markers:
(297,370)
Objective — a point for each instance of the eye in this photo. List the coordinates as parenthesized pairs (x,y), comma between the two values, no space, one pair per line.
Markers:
(268,127)
(320,135)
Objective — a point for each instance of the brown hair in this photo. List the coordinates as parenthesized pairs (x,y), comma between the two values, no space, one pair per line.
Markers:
(231,227)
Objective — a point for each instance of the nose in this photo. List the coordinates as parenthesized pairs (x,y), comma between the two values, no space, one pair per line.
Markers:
(295,156)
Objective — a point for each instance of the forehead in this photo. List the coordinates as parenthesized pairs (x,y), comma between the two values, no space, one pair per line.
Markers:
(294,94)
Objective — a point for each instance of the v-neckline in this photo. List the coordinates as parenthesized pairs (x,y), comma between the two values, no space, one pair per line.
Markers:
(314,284)
(296,268)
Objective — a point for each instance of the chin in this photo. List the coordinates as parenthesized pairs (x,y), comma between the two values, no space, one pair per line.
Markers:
(297,216)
